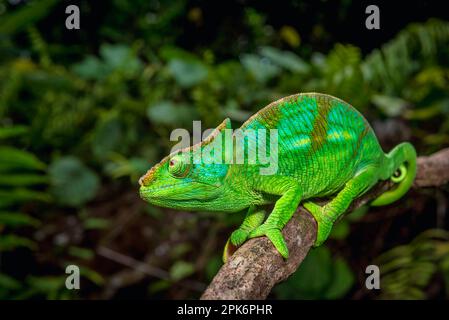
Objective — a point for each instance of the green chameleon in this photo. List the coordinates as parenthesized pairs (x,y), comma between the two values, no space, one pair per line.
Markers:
(326,149)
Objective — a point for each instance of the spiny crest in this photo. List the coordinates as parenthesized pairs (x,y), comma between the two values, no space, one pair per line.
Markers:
(148,176)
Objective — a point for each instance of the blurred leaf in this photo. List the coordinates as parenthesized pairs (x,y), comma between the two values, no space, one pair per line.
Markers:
(12,158)
(115,58)
(318,277)
(187,73)
(213,265)
(92,275)
(436,139)
(342,280)
(17,196)
(166,112)
(181,269)
(340,230)
(285,59)
(120,57)
(391,106)
(91,68)
(73,183)
(27,14)
(290,35)
(46,284)
(10,242)
(20,180)
(431,111)
(8,282)
(82,253)
(107,136)
(158,286)
(260,68)
(407,270)
(133,167)
(311,278)
(96,223)
(13,131)
(180,249)
(358,213)
(17,219)
(170,53)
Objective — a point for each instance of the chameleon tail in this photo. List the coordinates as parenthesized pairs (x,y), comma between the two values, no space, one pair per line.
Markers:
(401,164)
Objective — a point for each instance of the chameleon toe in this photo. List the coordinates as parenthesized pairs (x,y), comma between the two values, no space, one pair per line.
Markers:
(238,237)
(275,236)
(278,241)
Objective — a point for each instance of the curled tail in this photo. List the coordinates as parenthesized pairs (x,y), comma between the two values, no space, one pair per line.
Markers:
(401,167)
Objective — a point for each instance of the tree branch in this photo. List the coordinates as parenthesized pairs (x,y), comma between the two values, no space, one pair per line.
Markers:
(255,268)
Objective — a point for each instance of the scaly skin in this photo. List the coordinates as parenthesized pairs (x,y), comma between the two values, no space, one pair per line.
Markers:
(326,149)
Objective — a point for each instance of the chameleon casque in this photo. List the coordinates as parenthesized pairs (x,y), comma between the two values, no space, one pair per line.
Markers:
(326,149)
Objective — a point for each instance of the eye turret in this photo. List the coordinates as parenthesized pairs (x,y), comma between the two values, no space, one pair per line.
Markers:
(178,166)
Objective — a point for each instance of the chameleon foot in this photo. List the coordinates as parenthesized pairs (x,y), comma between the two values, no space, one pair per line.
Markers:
(239,236)
(324,222)
(275,236)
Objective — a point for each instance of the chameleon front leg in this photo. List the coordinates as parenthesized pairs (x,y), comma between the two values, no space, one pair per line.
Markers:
(326,215)
(254,218)
(283,210)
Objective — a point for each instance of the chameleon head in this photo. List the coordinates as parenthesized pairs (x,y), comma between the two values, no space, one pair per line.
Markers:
(186,179)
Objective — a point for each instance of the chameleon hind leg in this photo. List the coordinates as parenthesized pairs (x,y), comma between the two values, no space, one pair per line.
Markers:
(283,210)
(254,218)
(326,215)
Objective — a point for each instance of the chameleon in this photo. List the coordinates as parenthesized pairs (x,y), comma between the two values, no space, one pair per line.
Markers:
(326,149)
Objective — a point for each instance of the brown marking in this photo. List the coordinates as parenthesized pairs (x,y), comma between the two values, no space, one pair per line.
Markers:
(359,141)
(318,134)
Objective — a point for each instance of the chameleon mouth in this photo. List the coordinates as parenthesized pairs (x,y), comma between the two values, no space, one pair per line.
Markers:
(148,193)
(154,193)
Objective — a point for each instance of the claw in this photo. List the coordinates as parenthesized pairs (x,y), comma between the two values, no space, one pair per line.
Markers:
(275,236)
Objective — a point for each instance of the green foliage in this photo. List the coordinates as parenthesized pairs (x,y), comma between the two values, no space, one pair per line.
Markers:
(286,59)
(318,277)
(407,270)
(17,219)
(390,67)
(14,159)
(21,173)
(114,59)
(168,113)
(187,73)
(26,16)
(72,183)
(10,242)
(96,223)
(181,269)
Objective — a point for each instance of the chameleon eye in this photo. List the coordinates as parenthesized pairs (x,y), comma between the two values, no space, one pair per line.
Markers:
(177,167)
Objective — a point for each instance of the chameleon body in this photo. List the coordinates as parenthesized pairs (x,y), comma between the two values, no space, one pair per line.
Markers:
(326,149)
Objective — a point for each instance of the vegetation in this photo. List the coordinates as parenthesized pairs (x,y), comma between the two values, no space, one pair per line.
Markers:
(85,113)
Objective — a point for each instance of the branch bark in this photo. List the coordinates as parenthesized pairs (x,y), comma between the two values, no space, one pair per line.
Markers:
(255,268)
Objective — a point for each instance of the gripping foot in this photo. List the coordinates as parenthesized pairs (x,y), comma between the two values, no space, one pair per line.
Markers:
(275,236)
(324,222)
